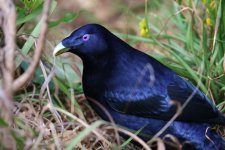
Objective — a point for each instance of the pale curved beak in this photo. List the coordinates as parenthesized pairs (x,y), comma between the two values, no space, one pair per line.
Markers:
(59,49)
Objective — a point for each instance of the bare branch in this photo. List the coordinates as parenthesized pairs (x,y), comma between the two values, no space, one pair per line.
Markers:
(26,76)
(7,52)
(8,24)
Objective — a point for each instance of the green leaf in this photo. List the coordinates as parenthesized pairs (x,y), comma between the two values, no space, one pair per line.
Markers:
(32,4)
(19,140)
(190,35)
(3,123)
(65,19)
(35,33)
(23,18)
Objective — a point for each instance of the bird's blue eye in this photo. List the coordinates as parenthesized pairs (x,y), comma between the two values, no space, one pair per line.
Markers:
(86,37)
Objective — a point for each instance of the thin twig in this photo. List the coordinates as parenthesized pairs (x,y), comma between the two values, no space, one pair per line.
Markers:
(167,21)
(135,137)
(55,136)
(109,117)
(210,140)
(216,28)
(50,103)
(26,76)
(178,112)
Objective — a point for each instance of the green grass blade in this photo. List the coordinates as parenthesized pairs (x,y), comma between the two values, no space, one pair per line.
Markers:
(29,17)
(129,140)
(35,33)
(83,134)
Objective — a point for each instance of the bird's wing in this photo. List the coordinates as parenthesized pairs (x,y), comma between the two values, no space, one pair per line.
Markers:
(200,108)
(133,89)
(139,103)
(156,103)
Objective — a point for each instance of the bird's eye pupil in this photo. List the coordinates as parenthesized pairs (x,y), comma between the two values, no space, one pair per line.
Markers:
(86,37)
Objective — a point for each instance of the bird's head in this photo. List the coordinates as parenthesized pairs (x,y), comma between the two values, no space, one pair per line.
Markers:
(87,42)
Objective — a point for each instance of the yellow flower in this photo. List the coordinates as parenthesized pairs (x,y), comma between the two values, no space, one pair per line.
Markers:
(204,1)
(208,22)
(143,26)
(212,4)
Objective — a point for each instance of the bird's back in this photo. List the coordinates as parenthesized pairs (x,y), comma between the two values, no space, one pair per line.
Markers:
(134,83)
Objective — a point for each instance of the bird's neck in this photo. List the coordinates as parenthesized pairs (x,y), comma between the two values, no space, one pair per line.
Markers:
(97,68)
(96,62)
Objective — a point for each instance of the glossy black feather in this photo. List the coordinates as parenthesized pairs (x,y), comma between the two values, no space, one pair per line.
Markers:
(134,86)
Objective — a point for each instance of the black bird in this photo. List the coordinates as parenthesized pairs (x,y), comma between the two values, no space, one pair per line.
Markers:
(138,91)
